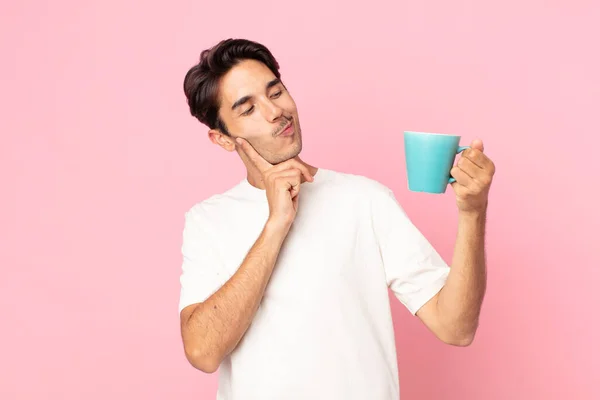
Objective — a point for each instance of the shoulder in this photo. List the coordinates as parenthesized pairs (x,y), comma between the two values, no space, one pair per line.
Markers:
(363,191)
(209,208)
(359,184)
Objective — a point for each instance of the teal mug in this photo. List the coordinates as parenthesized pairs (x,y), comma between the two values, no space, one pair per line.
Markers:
(429,159)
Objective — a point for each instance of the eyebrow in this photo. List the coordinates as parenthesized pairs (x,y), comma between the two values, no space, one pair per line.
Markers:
(244,99)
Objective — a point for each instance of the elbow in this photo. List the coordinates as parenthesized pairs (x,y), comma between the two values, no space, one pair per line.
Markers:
(463,339)
(207,366)
(202,362)
(460,334)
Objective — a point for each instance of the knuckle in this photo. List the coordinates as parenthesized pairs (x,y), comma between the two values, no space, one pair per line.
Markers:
(274,178)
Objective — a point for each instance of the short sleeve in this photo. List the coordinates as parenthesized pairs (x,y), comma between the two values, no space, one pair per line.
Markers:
(414,270)
(202,269)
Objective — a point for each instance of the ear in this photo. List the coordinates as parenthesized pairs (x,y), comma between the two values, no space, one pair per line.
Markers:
(221,139)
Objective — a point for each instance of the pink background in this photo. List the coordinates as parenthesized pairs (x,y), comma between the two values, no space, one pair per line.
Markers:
(99,159)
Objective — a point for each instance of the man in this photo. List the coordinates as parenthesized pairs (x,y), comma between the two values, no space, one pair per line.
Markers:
(285,275)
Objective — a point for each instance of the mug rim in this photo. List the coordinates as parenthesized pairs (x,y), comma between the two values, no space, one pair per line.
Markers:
(431,133)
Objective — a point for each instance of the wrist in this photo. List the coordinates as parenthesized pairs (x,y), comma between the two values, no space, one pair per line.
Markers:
(474,216)
(277,227)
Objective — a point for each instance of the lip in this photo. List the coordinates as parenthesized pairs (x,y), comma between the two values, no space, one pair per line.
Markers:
(288,130)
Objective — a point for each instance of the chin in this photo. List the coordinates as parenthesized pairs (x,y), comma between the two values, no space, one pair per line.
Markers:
(294,152)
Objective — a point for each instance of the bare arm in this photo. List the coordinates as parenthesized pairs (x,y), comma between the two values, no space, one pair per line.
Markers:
(213,328)
(453,314)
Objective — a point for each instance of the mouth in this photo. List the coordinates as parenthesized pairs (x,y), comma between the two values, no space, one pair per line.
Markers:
(288,130)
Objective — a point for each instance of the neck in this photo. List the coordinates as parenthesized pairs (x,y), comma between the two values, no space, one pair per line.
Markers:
(255,177)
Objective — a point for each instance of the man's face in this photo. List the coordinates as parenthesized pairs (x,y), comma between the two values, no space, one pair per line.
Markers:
(257,107)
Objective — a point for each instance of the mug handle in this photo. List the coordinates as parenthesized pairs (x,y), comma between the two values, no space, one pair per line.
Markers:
(459,150)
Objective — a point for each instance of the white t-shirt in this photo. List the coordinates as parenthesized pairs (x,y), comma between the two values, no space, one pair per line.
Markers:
(324,327)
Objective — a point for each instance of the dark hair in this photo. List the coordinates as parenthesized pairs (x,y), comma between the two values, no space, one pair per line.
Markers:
(201,83)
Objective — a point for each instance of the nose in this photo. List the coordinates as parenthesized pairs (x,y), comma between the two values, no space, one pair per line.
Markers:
(272,111)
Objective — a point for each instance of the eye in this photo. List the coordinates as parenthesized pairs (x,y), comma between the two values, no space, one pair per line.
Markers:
(248,111)
(276,95)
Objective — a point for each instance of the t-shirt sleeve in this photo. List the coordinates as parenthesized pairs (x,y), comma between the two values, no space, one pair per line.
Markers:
(202,268)
(414,270)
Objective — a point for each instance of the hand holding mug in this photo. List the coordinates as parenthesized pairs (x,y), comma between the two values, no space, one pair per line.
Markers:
(473,173)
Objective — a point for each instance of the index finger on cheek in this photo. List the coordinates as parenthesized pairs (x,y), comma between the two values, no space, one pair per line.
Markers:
(259,162)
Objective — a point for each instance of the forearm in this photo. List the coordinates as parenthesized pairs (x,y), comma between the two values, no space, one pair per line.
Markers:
(216,326)
(459,301)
